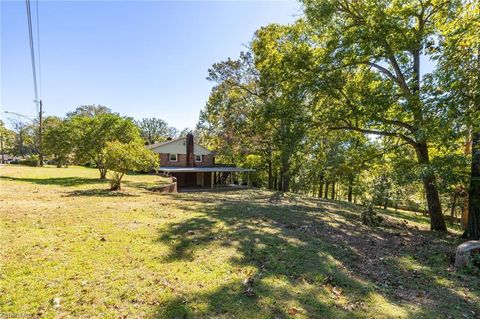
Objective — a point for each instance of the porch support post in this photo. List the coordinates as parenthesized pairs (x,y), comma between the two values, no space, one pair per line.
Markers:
(212,179)
(248,179)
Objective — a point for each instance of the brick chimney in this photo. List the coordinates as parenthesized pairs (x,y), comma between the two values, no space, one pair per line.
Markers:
(189,145)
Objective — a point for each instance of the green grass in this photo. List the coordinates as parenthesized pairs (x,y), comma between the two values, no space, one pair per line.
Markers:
(70,248)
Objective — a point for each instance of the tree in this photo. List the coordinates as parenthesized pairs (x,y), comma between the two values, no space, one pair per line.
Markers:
(58,141)
(458,78)
(384,41)
(185,131)
(121,158)
(282,59)
(24,141)
(91,135)
(155,130)
(89,111)
(7,138)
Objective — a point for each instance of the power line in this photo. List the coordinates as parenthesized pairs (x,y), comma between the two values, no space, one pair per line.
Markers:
(32,52)
(39,57)
(32,55)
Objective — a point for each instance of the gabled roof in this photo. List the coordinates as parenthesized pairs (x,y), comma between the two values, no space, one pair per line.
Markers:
(155,145)
(174,146)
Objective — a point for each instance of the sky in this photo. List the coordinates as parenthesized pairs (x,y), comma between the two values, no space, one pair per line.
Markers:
(141,59)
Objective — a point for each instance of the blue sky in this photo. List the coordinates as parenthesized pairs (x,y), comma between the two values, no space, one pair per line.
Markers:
(141,59)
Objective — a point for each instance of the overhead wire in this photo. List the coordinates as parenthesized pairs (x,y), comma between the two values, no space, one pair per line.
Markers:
(39,56)
(32,52)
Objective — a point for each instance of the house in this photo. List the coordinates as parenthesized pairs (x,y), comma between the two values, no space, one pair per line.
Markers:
(194,165)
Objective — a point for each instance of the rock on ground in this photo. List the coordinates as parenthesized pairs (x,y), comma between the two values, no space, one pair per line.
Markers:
(464,251)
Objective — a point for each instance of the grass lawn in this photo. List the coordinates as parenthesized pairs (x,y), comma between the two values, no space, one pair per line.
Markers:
(71,249)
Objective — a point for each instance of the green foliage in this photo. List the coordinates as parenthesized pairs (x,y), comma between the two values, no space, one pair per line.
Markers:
(370,217)
(24,142)
(155,130)
(91,135)
(89,111)
(121,158)
(352,67)
(7,139)
(31,160)
(58,141)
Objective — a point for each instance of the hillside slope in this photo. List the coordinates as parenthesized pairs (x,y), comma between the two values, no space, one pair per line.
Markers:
(72,249)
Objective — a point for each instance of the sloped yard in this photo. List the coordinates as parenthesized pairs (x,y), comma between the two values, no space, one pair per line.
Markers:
(72,249)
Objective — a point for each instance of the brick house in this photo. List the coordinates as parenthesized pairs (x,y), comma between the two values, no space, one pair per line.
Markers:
(192,164)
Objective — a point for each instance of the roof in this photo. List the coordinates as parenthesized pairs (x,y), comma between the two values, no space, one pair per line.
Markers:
(177,146)
(204,169)
(154,145)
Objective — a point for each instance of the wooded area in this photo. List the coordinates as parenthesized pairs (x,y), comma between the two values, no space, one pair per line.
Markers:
(363,101)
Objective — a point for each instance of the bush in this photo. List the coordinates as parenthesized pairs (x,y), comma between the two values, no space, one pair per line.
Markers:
(370,217)
(123,157)
(29,161)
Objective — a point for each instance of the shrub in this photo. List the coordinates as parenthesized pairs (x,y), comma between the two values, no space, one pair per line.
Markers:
(370,217)
(123,157)
(32,161)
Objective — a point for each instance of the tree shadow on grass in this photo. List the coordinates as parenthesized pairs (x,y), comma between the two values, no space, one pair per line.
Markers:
(99,193)
(317,255)
(58,181)
(149,186)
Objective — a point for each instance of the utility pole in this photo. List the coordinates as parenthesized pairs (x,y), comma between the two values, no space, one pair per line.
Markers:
(40,148)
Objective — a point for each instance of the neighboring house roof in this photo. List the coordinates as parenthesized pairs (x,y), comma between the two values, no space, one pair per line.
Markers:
(177,146)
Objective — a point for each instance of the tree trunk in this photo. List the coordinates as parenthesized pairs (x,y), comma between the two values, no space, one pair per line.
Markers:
(285,175)
(326,189)
(437,222)
(286,183)
(454,204)
(472,231)
(270,174)
(333,190)
(320,188)
(103,173)
(116,187)
(467,149)
(350,190)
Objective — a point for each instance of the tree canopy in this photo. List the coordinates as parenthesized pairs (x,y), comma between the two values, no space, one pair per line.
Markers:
(342,99)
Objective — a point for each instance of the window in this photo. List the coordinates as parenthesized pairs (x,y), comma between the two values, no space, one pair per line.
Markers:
(198,158)
(173,157)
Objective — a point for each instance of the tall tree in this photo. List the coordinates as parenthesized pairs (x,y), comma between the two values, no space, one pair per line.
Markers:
(233,120)
(89,110)
(282,59)
(58,141)
(458,76)
(24,142)
(386,38)
(155,130)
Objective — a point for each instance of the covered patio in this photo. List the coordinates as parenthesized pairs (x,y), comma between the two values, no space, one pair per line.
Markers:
(208,177)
